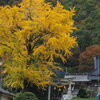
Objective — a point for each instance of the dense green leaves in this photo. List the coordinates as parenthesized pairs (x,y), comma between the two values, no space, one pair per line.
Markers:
(9,2)
(25,96)
(87,20)
(4,2)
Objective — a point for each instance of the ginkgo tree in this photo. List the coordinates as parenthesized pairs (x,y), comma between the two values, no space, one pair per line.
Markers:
(32,35)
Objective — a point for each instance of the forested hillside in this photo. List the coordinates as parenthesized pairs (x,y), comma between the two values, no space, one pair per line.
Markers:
(9,2)
(87,20)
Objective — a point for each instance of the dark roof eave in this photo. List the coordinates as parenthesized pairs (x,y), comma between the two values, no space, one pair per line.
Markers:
(2,91)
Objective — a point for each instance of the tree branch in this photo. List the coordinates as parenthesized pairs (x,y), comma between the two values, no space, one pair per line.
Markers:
(5,45)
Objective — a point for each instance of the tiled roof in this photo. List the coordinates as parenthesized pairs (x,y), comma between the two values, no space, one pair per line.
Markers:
(5,92)
(95,74)
(96,71)
(77,78)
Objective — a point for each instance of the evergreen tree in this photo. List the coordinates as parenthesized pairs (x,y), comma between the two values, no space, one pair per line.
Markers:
(9,2)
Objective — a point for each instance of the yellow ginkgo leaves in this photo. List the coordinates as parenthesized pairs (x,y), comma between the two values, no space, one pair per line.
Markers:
(31,35)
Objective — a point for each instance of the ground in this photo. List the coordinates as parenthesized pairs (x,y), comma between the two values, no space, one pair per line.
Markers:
(84,99)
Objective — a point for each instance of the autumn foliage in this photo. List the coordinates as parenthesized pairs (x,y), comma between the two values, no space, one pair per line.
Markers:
(33,34)
(87,58)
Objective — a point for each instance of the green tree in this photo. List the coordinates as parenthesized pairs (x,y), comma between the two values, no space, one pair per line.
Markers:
(9,2)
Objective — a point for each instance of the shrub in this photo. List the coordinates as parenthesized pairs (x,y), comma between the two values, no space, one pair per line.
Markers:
(25,96)
(82,93)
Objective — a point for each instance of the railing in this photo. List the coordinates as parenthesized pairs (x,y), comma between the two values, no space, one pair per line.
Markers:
(77,74)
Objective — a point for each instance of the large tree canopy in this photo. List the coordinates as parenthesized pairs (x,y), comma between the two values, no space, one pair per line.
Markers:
(32,35)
